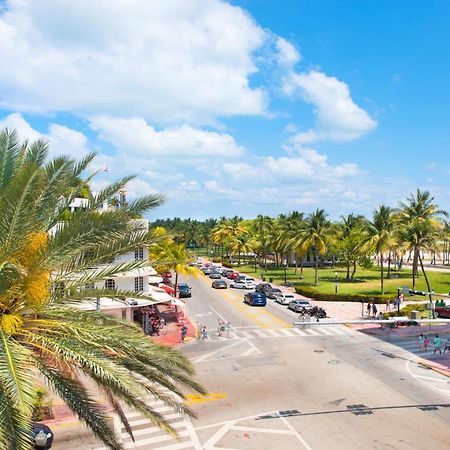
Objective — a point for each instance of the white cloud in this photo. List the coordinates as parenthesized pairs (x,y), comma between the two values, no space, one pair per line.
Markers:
(338,117)
(288,55)
(62,140)
(136,136)
(164,60)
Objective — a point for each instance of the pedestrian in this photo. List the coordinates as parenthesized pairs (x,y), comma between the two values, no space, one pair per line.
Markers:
(228,328)
(420,341)
(388,305)
(396,302)
(437,342)
(426,342)
(199,331)
(184,330)
(219,328)
(374,310)
(204,333)
(369,308)
(447,345)
(401,298)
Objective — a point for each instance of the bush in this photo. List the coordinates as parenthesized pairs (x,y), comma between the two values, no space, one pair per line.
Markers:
(308,292)
(227,264)
(42,407)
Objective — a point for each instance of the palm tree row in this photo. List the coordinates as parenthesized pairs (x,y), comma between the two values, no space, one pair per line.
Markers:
(415,227)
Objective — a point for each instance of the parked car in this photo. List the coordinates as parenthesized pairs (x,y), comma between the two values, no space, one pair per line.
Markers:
(232,275)
(217,269)
(273,292)
(242,284)
(42,436)
(206,270)
(263,287)
(219,284)
(184,290)
(299,305)
(442,312)
(284,299)
(241,277)
(255,299)
(225,272)
(215,275)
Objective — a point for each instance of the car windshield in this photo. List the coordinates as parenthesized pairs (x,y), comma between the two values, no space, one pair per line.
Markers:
(276,290)
(289,296)
(303,303)
(183,285)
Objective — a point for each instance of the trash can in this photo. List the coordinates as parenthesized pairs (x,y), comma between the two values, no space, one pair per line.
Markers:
(270,280)
(414,315)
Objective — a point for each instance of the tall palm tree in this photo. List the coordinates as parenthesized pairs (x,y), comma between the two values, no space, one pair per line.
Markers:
(419,208)
(43,269)
(315,237)
(172,256)
(263,226)
(381,234)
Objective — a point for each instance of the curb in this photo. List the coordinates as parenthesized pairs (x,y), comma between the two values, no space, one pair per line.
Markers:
(442,371)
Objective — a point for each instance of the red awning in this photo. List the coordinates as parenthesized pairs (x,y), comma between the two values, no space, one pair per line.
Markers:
(168,289)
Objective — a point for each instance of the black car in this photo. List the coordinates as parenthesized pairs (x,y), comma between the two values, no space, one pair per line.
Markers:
(184,290)
(273,292)
(263,287)
(215,275)
(219,284)
(42,436)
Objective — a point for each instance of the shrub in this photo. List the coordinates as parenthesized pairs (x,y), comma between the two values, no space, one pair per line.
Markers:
(308,292)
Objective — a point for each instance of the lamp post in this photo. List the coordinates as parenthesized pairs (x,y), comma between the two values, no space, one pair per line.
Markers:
(255,262)
(336,282)
(285,273)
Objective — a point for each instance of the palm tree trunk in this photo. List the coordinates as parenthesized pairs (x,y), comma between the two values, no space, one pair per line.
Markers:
(316,272)
(382,273)
(426,278)
(353,271)
(295,256)
(348,271)
(176,284)
(389,266)
(414,267)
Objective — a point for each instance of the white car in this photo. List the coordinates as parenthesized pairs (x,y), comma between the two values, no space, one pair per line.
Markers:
(243,284)
(284,299)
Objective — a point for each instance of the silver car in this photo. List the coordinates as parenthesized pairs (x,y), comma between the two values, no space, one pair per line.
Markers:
(241,284)
(299,305)
(284,299)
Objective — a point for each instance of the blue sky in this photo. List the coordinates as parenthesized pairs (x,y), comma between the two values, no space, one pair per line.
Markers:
(245,107)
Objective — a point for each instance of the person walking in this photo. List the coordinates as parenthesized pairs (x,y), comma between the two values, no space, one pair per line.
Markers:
(228,326)
(204,333)
(184,330)
(388,305)
(447,345)
(198,335)
(369,309)
(437,342)
(220,325)
(426,343)
(374,309)
(420,341)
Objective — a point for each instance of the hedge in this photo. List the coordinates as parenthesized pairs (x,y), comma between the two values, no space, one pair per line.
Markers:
(320,296)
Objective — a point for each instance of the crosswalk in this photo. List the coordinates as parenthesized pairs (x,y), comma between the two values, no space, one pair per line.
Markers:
(149,436)
(265,333)
(411,346)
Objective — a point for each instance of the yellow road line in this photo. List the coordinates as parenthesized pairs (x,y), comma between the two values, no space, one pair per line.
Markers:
(262,317)
(192,399)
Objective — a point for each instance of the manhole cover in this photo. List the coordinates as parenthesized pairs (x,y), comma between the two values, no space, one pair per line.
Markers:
(318,351)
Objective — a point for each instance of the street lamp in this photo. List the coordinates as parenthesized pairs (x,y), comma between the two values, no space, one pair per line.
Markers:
(336,281)
(285,273)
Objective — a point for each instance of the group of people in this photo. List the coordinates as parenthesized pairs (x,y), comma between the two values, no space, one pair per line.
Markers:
(372,309)
(424,341)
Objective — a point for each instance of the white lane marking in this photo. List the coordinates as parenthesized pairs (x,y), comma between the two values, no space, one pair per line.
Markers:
(203,357)
(299,332)
(136,423)
(248,352)
(261,430)
(155,439)
(273,332)
(408,369)
(219,434)
(285,332)
(324,330)
(255,348)
(194,438)
(296,433)
(205,427)
(312,332)
(178,446)
(218,314)
(432,378)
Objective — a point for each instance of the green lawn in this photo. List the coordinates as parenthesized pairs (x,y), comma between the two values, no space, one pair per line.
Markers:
(366,281)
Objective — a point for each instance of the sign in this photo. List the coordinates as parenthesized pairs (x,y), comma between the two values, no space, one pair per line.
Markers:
(405,289)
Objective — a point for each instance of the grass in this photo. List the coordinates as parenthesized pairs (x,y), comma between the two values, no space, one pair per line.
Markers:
(366,281)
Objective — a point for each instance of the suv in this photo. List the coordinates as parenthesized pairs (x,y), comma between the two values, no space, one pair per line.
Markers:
(255,299)
(184,290)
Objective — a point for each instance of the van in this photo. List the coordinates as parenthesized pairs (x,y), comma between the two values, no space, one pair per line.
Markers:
(255,299)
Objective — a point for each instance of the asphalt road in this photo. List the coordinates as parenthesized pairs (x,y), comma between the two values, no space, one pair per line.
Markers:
(335,388)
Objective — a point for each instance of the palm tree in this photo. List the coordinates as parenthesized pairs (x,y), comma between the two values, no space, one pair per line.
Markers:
(381,233)
(314,236)
(43,268)
(263,226)
(418,209)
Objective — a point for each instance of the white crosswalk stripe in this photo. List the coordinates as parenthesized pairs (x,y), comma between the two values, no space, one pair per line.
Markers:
(148,436)
(306,331)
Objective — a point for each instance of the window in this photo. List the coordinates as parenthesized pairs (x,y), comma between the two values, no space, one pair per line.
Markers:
(89,286)
(139,284)
(139,254)
(110,284)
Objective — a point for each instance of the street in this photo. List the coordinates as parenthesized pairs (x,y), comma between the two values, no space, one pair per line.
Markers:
(275,386)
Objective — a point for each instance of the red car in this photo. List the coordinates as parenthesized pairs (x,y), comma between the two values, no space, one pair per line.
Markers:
(442,312)
(232,275)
